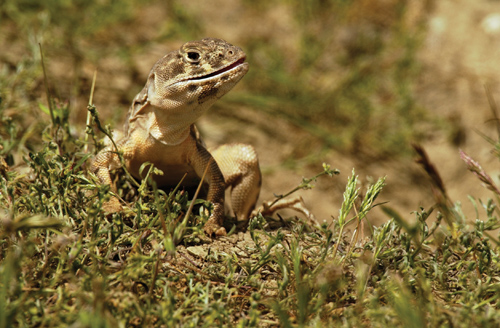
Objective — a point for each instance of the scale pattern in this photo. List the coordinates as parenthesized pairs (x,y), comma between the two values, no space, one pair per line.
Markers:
(160,129)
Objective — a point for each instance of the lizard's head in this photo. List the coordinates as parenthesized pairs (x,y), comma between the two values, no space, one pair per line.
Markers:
(194,77)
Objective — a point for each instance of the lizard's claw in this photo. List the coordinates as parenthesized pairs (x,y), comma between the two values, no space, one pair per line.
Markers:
(221,232)
(212,229)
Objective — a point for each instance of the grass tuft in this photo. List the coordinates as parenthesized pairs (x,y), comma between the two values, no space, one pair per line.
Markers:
(64,262)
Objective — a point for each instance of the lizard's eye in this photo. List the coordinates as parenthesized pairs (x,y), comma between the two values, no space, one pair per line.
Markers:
(193,56)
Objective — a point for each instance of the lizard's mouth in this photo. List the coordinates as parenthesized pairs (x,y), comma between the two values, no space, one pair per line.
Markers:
(237,63)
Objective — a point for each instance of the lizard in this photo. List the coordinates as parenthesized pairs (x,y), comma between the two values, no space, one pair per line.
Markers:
(160,129)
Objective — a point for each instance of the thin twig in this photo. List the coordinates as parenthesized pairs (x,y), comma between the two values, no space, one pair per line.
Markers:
(190,209)
(51,110)
(155,273)
(89,116)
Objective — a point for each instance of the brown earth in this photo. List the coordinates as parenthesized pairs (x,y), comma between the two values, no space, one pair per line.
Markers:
(458,59)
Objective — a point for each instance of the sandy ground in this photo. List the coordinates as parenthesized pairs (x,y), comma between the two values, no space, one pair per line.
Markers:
(459,57)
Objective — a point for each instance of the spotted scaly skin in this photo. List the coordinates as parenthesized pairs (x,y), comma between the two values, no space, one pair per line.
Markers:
(160,129)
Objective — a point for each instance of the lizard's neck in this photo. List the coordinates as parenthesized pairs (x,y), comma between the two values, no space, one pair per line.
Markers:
(162,128)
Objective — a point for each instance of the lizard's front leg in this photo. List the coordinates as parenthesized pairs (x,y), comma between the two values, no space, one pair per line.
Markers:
(240,166)
(216,188)
(104,161)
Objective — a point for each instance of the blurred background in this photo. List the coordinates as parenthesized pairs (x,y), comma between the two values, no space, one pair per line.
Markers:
(352,83)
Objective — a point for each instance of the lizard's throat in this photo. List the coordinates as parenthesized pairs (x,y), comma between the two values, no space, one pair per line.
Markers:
(168,133)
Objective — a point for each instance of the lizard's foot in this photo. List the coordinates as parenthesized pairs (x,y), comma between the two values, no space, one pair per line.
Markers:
(214,230)
(213,227)
(295,203)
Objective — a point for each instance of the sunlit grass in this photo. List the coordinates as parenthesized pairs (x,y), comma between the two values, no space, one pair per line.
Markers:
(64,262)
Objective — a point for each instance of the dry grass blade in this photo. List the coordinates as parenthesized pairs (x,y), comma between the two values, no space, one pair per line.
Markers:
(49,98)
(439,191)
(493,107)
(430,169)
(190,209)
(478,171)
